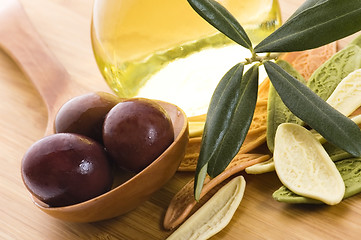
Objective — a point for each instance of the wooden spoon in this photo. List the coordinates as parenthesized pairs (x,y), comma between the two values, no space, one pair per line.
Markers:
(20,40)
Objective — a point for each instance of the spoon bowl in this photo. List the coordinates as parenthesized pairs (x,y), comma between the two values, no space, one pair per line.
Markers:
(126,196)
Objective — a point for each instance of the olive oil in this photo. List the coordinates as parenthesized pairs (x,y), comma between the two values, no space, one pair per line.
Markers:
(163,49)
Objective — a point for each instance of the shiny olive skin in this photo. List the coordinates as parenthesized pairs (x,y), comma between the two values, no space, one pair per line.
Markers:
(64,169)
(136,132)
(85,114)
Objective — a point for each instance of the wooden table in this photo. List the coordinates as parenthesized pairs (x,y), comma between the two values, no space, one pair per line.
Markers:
(65,28)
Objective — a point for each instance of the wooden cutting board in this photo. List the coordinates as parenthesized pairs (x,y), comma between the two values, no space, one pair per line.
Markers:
(65,28)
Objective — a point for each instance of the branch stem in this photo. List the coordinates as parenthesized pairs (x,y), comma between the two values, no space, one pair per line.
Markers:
(261,59)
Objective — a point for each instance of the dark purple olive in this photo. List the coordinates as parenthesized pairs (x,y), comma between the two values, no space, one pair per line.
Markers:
(136,132)
(85,114)
(64,169)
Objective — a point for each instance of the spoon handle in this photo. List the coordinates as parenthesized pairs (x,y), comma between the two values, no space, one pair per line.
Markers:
(21,41)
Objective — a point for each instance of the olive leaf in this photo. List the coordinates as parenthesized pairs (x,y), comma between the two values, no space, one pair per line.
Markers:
(304,103)
(304,6)
(316,24)
(277,111)
(228,119)
(220,18)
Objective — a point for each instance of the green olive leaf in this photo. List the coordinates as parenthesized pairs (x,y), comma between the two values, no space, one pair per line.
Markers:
(237,125)
(318,24)
(220,18)
(277,111)
(305,6)
(200,176)
(308,106)
(229,116)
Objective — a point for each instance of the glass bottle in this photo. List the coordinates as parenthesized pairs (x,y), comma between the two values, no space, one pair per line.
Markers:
(162,49)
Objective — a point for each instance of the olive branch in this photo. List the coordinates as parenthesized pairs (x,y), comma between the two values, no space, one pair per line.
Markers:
(313,24)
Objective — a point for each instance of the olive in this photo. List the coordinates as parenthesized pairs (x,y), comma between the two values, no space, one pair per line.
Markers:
(64,169)
(136,132)
(85,114)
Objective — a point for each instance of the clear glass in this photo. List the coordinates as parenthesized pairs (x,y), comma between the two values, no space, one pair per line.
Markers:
(162,49)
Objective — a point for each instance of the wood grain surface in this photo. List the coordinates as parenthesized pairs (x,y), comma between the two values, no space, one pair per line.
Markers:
(64,25)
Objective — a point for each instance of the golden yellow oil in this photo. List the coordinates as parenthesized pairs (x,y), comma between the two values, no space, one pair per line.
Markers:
(135,41)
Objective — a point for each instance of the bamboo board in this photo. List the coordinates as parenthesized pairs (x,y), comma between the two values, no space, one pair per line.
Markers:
(65,26)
